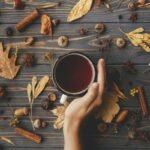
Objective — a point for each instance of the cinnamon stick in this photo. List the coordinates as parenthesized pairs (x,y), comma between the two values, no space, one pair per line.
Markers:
(27,20)
(30,136)
(143,103)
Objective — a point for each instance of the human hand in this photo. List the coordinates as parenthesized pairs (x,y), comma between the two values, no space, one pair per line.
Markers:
(82,107)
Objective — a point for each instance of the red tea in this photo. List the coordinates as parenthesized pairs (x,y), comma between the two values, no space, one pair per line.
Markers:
(74,73)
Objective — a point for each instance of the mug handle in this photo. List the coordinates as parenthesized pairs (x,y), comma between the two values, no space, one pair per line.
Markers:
(63,98)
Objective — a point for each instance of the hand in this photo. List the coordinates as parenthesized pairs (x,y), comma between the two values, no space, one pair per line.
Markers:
(81,108)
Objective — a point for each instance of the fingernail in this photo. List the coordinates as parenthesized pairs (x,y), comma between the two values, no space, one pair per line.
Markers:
(102,61)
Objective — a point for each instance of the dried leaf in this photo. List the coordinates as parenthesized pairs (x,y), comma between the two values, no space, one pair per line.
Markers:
(29,92)
(110,108)
(79,10)
(5,139)
(34,82)
(41,85)
(7,65)
(46,25)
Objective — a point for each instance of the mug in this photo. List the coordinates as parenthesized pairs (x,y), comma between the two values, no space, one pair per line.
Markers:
(72,74)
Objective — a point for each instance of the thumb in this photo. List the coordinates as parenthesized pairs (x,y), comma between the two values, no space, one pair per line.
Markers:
(91,95)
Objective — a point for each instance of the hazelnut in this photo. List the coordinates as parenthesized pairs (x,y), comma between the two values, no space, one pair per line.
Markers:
(120,42)
(55,22)
(24,111)
(132,6)
(18,4)
(46,104)
(63,41)
(2,92)
(52,96)
(100,27)
(29,40)
(37,123)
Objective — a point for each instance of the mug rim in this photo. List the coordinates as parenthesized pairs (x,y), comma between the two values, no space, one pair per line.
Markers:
(65,91)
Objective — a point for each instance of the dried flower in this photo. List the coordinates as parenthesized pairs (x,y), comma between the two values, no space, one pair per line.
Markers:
(29,60)
(104,44)
(100,27)
(82,31)
(120,42)
(63,41)
(133,91)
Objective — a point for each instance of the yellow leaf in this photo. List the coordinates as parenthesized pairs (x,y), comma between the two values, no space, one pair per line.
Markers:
(29,92)
(79,10)
(8,68)
(33,85)
(138,30)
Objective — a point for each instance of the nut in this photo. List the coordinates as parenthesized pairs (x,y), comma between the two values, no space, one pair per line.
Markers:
(63,41)
(55,22)
(52,96)
(120,42)
(24,111)
(100,27)
(141,2)
(46,104)
(37,123)
(18,4)
(29,40)
(132,6)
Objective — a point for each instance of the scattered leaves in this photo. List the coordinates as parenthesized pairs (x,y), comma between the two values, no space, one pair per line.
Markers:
(110,108)
(7,65)
(79,10)
(138,38)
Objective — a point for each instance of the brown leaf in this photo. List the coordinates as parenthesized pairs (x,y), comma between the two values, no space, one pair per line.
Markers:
(7,65)
(46,25)
(79,10)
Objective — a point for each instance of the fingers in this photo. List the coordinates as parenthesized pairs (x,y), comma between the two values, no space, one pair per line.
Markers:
(101,76)
(91,95)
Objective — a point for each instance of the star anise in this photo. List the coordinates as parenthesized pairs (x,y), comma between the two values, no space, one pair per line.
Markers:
(29,60)
(133,17)
(129,67)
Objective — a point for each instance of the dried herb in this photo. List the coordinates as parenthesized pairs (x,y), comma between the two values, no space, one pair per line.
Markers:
(79,10)
(7,65)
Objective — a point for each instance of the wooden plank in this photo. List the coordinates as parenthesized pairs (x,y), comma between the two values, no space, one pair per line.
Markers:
(101,14)
(45,44)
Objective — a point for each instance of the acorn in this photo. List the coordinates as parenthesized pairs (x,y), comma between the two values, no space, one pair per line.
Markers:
(24,111)
(63,41)
(100,27)
(120,42)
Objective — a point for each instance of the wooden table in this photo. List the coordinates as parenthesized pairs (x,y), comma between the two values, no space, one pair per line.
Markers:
(17,97)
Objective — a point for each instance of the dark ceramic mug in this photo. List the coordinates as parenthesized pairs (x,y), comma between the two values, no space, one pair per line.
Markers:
(72,74)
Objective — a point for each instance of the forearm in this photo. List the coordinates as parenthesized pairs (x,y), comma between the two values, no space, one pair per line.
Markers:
(72,136)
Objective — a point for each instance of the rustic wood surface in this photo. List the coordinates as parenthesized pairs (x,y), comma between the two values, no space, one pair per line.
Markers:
(16,97)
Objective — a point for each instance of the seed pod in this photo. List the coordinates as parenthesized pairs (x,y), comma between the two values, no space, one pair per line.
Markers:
(122,116)
(29,40)
(100,27)
(132,6)
(63,41)
(52,96)
(120,42)
(24,111)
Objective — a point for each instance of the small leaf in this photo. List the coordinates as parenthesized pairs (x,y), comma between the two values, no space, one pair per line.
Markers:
(79,10)
(29,92)
(41,85)
(34,82)
(5,139)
